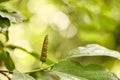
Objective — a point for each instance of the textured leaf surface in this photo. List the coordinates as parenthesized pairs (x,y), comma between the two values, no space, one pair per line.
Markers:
(93,50)
(69,70)
(20,76)
(14,17)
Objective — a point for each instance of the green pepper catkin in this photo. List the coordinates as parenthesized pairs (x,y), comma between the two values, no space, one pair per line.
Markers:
(43,57)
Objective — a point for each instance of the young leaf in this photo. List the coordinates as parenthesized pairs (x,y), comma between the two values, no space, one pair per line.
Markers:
(69,70)
(93,50)
(8,61)
(20,76)
(14,17)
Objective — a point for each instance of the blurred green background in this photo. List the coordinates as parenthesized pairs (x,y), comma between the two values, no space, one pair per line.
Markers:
(69,24)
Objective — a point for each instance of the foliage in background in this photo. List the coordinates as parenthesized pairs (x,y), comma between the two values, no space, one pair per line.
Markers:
(69,23)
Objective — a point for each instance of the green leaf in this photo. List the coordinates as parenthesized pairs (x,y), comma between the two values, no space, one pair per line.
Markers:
(14,17)
(4,24)
(8,61)
(44,75)
(93,50)
(1,44)
(20,76)
(69,70)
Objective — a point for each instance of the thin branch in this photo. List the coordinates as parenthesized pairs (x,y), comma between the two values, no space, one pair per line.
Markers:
(5,75)
(10,72)
(14,46)
(23,49)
